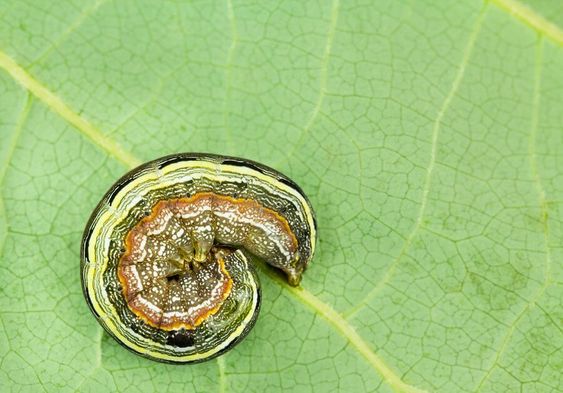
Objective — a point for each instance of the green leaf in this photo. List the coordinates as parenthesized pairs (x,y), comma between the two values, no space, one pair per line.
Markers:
(428,136)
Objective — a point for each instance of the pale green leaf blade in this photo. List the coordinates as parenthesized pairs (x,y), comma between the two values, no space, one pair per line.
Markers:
(428,137)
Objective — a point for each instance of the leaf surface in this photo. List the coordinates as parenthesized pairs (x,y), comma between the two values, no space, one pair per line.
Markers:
(428,136)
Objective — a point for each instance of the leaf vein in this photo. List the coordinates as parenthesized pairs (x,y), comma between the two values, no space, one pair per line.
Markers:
(347,331)
(87,12)
(57,105)
(530,18)
(431,164)
(229,71)
(98,363)
(22,118)
(222,374)
(543,207)
(322,78)
(125,157)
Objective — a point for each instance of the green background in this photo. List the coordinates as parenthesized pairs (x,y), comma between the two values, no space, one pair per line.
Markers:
(427,134)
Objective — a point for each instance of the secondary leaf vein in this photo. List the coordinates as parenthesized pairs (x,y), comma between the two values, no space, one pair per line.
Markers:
(229,71)
(431,164)
(531,19)
(57,105)
(22,118)
(543,219)
(222,375)
(87,12)
(322,78)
